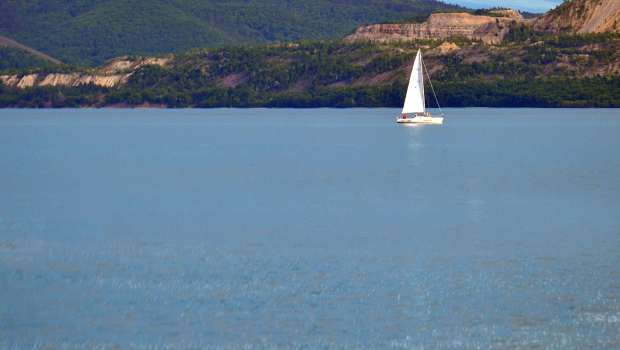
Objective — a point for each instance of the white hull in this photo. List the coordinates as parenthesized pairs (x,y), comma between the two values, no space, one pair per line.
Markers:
(423,120)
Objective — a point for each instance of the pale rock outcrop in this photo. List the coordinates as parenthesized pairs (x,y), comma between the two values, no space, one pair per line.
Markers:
(437,26)
(123,63)
(27,81)
(444,48)
(10,80)
(117,65)
(65,79)
(75,79)
(60,79)
(107,80)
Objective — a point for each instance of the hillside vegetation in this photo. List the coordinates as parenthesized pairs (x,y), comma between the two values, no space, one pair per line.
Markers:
(15,58)
(88,33)
(526,70)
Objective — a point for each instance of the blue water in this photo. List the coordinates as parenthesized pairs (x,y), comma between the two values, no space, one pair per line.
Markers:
(308,229)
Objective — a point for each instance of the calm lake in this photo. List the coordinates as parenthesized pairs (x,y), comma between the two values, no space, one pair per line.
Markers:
(309,229)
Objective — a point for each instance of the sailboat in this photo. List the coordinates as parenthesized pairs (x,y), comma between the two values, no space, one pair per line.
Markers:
(414,100)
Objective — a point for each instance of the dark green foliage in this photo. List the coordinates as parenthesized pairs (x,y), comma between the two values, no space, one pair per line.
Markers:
(48,96)
(520,33)
(488,12)
(550,92)
(384,63)
(456,69)
(460,41)
(272,68)
(338,74)
(90,32)
(408,20)
(363,96)
(14,58)
(528,15)
(566,40)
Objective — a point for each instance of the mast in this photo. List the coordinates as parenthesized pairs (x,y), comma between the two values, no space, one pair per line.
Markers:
(422,83)
(433,89)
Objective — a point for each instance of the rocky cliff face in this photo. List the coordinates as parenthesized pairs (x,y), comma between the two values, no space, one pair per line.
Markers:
(123,63)
(104,78)
(580,16)
(75,79)
(440,26)
(69,79)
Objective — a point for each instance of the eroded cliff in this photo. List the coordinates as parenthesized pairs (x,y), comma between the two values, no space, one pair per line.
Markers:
(440,26)
(114,73)
(580,16)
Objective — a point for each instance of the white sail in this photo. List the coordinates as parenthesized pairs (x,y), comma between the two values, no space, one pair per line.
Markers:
(414,101)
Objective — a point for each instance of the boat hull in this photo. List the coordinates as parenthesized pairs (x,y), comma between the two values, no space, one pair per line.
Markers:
(421,120)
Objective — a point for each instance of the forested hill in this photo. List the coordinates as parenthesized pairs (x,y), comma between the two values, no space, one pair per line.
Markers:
(89,32)
(526,69)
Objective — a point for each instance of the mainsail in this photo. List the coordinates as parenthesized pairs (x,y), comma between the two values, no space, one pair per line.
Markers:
(414,101)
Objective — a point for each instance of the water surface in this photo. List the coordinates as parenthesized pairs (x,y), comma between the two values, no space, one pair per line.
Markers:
(309,229)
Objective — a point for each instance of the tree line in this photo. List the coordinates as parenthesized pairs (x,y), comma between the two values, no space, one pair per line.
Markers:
(333,73)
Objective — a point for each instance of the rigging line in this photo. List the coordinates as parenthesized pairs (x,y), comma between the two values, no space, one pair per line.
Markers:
(429,81)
